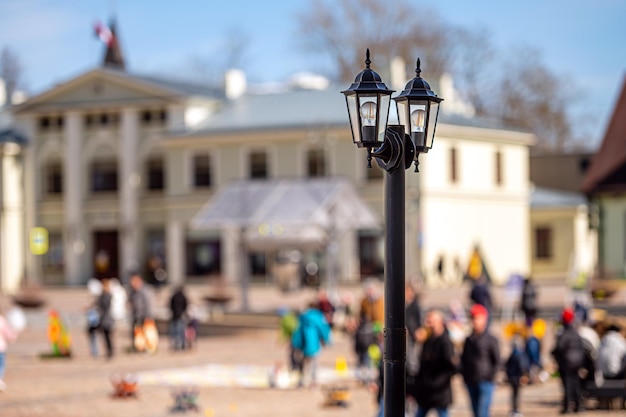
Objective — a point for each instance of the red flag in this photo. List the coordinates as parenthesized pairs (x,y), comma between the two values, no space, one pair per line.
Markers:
(104,33)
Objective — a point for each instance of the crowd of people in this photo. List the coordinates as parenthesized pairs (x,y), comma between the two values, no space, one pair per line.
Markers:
(587,351)
(136,303)
(442,344)
(432,357)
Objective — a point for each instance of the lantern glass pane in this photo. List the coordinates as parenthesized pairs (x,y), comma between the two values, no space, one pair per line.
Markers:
(402,113)
(432,123)
(353,112)
(368,114)
(385,101)
(368,110)
(417,122)
(418,116)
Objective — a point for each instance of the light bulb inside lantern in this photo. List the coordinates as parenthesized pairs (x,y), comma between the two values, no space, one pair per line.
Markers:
(418,120)
(368,113)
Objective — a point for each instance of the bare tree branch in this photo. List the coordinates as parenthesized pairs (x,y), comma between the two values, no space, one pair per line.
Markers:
(521,92)
(342,31)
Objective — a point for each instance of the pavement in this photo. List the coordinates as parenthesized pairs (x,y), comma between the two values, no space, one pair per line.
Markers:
(81,386)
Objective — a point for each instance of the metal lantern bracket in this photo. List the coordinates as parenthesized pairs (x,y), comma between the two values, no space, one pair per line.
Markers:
(397,151)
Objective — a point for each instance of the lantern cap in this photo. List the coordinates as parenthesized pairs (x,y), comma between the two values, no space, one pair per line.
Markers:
(368,80)
(418,88)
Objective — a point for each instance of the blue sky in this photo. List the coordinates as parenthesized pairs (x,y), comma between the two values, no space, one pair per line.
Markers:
(584,40)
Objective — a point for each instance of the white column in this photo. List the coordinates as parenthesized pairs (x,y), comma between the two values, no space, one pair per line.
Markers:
(130,181)
(12,219)
(32,268)
(349,257)
(175,252)
(74,245)
(231,256)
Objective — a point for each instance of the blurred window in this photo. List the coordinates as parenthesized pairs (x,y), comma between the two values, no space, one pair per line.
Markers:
(316,163)
(153,117)
(371,246)
(53,259)
(155,174)
(104,176)
(203,256)
(53,178)
(202,170)
(258,165)
(47,124)
(498,168)
(543,243)
(258,263)
(453,165)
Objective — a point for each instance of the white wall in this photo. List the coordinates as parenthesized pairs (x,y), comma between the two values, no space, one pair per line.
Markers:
(475,210)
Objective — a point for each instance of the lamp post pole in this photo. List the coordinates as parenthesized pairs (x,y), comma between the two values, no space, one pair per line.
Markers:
(368,100)
(395,333)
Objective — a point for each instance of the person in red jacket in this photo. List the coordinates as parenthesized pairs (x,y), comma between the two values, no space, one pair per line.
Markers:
(479,362)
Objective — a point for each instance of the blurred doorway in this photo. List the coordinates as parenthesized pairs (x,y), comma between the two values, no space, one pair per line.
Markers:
(105,254)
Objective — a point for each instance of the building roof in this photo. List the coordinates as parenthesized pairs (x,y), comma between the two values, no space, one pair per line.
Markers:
(303,108)
(150,85)
(187,88)
(12,136)
(297,108)
(551,198)
(559,170)
(280,212)
(612,154)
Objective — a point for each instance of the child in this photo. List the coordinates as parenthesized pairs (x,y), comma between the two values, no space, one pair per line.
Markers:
(515,370)
(7,335)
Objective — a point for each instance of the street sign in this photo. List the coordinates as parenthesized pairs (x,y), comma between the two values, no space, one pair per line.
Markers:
(39,240)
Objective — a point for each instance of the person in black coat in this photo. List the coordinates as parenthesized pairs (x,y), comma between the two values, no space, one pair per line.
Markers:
(432,383)
(479,362)
(569,355)
(178,308)
(528,303)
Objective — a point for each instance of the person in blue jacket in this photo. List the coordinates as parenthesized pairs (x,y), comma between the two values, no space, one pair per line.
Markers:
(312,333)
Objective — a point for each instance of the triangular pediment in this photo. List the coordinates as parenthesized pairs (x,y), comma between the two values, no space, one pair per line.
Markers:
(101,87)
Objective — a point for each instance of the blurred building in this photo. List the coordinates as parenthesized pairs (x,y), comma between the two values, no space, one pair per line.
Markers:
(563,241)
(120,163)
(605,186)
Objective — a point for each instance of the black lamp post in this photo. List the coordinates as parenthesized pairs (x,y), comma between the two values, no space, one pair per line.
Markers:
(368,100)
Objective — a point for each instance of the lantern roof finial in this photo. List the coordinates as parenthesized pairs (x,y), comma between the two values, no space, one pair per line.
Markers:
(418,87)
(368,80)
